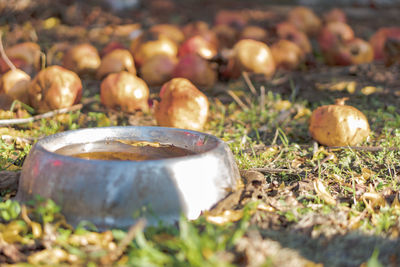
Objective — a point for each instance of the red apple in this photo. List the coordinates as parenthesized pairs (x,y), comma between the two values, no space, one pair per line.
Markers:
(110,47)
(200,28)
(231,18)
(196,69)
(379,38)
(198,45)
(158,69)
(18,63)
(335,14)
(286,30)
(355,51)
(25,56)
(305,20)
(334,34)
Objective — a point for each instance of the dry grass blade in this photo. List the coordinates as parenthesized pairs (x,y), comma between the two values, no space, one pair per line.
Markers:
(249,83)
(237,100)
(41,116)
(262,98)
(133,231)
(3,54)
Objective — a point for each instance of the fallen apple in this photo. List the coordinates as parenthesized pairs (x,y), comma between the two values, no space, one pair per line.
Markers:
(115,61)
(334,34)
(379,38)
(305,20)
(231,18)
(250,56)
(196,69)
(158,69)
(15,83)
(173,32)
(392,51)
(182,105)
(338,125)
(355,51)
(200,28)
(287,54)
(360,51)
(335,14)
(125,91)
(110,47)
(198,45)
(53,88)
(150,44)
(25,56)
(254,32)
(227,35)
(286,30)
(82,59)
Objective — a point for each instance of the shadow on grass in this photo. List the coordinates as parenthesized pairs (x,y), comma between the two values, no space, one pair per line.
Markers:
(351,249)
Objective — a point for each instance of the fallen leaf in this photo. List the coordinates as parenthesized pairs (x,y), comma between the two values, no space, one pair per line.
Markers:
(265,207)
(368,90)
(225,217)
(282,105)
(323,193)
(302,112)
(373,199)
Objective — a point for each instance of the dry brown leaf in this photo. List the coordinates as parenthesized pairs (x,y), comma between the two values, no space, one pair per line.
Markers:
(323,193)
(373,199)
(368,90)
(225,217)
(265,207)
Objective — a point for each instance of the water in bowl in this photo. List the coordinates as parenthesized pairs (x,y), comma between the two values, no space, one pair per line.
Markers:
(123,150)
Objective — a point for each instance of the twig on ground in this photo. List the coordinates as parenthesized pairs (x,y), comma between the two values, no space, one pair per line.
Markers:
(249,83)
(279,81)
(3,54)
(275,170)
(237,100)
(365,148)
(41,116)
(9,180)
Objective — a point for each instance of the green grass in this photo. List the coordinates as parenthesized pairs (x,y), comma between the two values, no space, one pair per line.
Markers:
(362,183)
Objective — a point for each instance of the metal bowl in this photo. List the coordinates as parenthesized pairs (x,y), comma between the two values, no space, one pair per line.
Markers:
(114,193)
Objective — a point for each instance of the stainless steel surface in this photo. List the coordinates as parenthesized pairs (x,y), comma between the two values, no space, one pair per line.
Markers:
(113,193)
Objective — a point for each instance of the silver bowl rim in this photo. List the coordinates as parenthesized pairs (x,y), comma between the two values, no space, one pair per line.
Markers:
(39,145)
